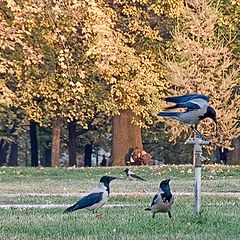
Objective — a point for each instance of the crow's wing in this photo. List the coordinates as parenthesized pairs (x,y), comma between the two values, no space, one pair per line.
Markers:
(86,201)
(155,198)
(185,98)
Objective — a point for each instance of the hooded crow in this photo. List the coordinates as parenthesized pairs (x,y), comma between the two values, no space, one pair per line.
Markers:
(132,176)
(197,109)
(96,199)
(162,200)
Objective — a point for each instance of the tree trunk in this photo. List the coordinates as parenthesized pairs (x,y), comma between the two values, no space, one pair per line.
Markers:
(56,131)
(34,144)
(72,143)
(13,156)
(88,155)
(3,152)
(234,156)
(97,155)
(126,136)
(47,157)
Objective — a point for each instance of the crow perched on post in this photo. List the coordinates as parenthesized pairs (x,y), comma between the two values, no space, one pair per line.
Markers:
(197,109)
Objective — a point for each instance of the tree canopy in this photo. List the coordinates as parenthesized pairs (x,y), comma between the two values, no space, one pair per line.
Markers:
(70,58)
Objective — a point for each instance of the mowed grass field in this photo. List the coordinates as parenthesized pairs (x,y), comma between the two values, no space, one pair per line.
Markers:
(32,202)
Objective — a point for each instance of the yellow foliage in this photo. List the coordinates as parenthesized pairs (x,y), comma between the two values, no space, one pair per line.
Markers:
(72,58)
(6,95)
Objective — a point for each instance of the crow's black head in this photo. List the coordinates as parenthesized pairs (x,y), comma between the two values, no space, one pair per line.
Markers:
(211,113)
(107,179)
(164,185)
(165,190)
(126,170)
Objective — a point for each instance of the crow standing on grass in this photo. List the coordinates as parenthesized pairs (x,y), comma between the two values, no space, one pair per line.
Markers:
(197,110)
(162,200)
(96,199)
(132,176)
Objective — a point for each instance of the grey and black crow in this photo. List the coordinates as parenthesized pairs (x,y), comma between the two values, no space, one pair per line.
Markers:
(162,200)
(132,176)
(96,199)
(197,109)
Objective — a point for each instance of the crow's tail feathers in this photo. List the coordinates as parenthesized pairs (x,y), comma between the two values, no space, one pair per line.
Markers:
(148,209)
(70,209)
(168,114)
(140,178)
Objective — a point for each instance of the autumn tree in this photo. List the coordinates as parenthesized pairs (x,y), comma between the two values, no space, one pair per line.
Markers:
(9,121)
(5,101)
(127,58)
(10,38)
(229,25)
(203,62)
(51,70)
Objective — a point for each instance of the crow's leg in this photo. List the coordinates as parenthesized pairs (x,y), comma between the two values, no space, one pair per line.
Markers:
(99,215)
(196,132)
(169,214)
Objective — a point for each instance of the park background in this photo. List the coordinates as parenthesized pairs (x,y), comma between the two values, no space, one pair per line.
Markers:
(80,79)
(83,78)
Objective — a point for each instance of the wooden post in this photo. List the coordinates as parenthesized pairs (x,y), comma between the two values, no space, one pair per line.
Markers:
(197,143)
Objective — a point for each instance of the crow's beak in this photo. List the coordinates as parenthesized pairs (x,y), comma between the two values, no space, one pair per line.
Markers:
(168,180)
(215,120)
(112,178)
(217,131)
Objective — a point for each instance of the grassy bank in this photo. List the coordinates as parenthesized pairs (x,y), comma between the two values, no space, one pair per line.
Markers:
(123,217)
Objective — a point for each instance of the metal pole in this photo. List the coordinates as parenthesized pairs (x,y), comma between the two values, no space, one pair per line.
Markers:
(197,156)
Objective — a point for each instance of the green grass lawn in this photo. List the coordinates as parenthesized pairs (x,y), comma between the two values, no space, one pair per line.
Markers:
(123,217)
